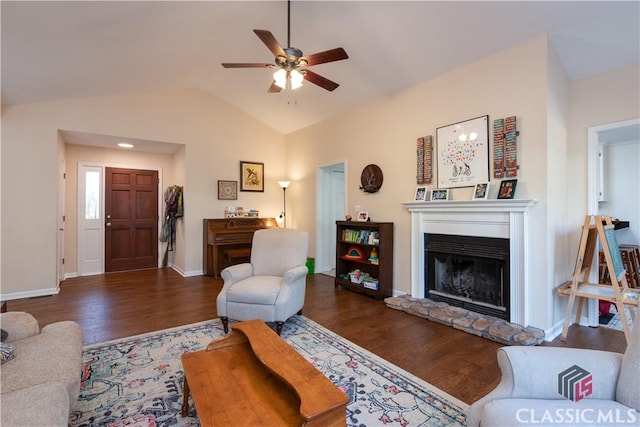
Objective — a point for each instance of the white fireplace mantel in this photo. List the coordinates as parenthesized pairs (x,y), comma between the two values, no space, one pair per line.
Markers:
(505,219)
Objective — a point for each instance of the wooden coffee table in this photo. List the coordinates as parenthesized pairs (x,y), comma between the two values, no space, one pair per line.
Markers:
(253,378)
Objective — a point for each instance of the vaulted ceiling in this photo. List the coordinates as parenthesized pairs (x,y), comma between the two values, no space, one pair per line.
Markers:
(55,50)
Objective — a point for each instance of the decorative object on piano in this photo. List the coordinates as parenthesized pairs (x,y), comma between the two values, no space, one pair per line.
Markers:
(363,216)
(227,190)
(505,153)
(240,212)
(251,176)
(507,188)
(283,215)
(371,179)
(463,153)
(421,194)
(424,154)
(439,194)
(481,191)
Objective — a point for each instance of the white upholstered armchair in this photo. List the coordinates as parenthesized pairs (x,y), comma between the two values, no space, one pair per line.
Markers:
(272,286)
(528,392)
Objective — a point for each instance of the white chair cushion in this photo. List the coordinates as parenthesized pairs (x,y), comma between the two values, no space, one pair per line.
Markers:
(255,290)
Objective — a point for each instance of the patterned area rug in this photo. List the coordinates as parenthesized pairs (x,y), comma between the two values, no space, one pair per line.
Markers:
(137,381)
(615,322)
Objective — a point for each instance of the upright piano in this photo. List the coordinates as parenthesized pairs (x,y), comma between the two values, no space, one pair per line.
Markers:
(228,240)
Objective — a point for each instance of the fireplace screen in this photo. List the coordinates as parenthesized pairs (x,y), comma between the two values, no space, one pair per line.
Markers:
(470,272)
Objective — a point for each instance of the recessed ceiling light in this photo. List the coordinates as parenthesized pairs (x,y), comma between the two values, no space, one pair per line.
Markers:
(125,145)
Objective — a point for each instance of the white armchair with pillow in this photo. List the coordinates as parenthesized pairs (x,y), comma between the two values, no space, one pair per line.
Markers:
(528,392)
(272,286)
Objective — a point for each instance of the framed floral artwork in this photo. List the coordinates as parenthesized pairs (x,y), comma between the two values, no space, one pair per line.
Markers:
(227,190)
(463,153)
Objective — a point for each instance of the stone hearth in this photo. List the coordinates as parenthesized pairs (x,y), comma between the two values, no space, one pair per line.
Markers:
(492,328)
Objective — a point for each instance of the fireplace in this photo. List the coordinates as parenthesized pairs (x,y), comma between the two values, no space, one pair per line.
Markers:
(502,219)
(469,272)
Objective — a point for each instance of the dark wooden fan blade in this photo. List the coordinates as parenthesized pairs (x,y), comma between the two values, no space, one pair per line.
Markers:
(274,88)
(323,82)
(270,41)
(245,65)
(337,54)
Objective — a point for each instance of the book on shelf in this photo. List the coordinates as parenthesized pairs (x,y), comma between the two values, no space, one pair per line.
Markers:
(368,237)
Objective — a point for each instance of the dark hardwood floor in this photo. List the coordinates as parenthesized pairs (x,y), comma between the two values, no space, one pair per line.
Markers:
(117,305)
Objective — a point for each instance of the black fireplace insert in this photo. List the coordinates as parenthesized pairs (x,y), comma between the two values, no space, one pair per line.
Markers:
(469,272)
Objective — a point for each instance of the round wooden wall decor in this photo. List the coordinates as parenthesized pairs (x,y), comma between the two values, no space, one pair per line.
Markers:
(371,178)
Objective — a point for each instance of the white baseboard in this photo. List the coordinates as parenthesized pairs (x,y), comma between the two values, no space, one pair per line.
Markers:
(30,294)
(556,330)
(187,273)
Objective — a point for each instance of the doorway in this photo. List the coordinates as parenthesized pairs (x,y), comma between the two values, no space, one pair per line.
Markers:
(330,207)
(613,182)
(118,219)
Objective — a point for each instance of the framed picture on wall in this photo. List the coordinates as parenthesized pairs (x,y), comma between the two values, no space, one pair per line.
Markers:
(481,191)
(463,153)
(507,189)
(251,176)
(227,190)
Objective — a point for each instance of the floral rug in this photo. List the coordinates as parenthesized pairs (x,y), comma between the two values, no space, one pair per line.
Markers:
(137,381)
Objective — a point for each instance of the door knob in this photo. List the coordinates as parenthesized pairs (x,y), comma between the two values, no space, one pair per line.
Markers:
(108,224)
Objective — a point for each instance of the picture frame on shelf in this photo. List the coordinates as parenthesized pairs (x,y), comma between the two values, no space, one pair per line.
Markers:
(363,216)
(251,176)
(439,194)
(462,153)
(421,194)
(507,188)
(227,190)
(481,191)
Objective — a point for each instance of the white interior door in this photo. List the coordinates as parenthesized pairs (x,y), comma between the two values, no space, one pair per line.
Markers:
(90,221)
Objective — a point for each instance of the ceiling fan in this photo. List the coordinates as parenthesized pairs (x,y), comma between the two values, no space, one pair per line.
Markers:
(290,62)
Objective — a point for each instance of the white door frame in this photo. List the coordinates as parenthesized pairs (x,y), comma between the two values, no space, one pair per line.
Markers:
(593,173)
(323,197)
(103,166)
(61,218)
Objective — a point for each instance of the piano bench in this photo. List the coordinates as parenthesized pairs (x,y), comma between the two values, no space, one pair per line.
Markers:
(233,256)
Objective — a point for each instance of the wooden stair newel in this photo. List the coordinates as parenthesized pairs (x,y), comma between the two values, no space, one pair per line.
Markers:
(618,292)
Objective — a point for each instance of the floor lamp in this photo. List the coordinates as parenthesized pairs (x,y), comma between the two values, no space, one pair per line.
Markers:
(283,215)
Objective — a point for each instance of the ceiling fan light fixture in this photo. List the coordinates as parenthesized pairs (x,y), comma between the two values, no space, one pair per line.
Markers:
(280,78)
(296,78)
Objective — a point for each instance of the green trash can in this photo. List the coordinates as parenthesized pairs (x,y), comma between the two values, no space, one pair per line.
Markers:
(311,265)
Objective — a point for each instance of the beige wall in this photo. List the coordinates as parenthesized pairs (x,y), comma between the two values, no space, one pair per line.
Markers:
(215,135)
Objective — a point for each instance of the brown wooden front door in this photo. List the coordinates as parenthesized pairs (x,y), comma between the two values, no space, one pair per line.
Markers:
(131,219)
